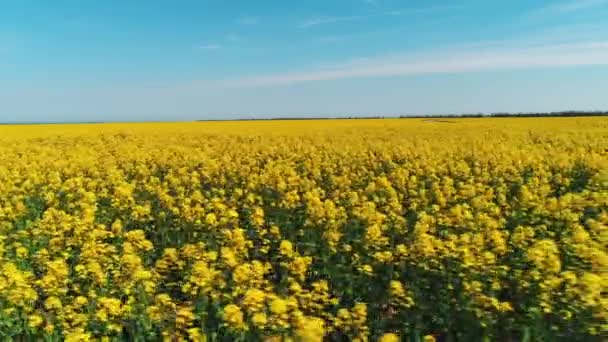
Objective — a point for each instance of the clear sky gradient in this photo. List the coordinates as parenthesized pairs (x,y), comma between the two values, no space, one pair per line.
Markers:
(80,60)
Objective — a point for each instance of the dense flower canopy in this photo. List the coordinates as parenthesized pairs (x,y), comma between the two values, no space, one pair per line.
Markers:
(304,230)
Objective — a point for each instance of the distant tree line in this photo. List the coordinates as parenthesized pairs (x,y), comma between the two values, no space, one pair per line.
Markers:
(431,116)
(504,115)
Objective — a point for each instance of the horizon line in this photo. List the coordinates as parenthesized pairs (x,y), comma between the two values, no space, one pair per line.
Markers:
(564,113)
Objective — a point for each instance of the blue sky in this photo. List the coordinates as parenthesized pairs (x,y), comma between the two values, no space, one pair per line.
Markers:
(80,60)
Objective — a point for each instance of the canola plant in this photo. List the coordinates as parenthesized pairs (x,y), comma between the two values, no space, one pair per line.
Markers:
(362,230)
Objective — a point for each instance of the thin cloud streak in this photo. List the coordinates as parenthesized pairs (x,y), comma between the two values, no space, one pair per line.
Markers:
(562,55)
(248,20)
(330,39)
(331,20)
(210,47)
(572,6)
(233,37)
(576,5)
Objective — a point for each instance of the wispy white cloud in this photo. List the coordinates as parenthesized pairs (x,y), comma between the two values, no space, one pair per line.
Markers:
(403,12)
(572,6)
(248,20)
(442,62)
(210,47)
(233,37)
(331,20)
(381,32)
(226,40)
(330,39)
(578,5)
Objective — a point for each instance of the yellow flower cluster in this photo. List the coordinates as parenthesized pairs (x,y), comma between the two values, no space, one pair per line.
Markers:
(381,230)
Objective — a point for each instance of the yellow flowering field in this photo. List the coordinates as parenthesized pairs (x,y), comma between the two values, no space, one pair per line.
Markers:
(336,230)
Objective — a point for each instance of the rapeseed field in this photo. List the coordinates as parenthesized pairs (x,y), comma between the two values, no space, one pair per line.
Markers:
(353,230)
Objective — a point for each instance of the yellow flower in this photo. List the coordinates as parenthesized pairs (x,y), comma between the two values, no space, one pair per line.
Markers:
(367,269)
(278,306)
(254,300)
(184,316)
(259,319)
(52,303)
(117,227)
(21,252)
(312,329)
(233,316)
(197,335)
(299,266)
(211,219)
(286,248)
(389,337)
(77,335)
(34,321)
(49,328)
